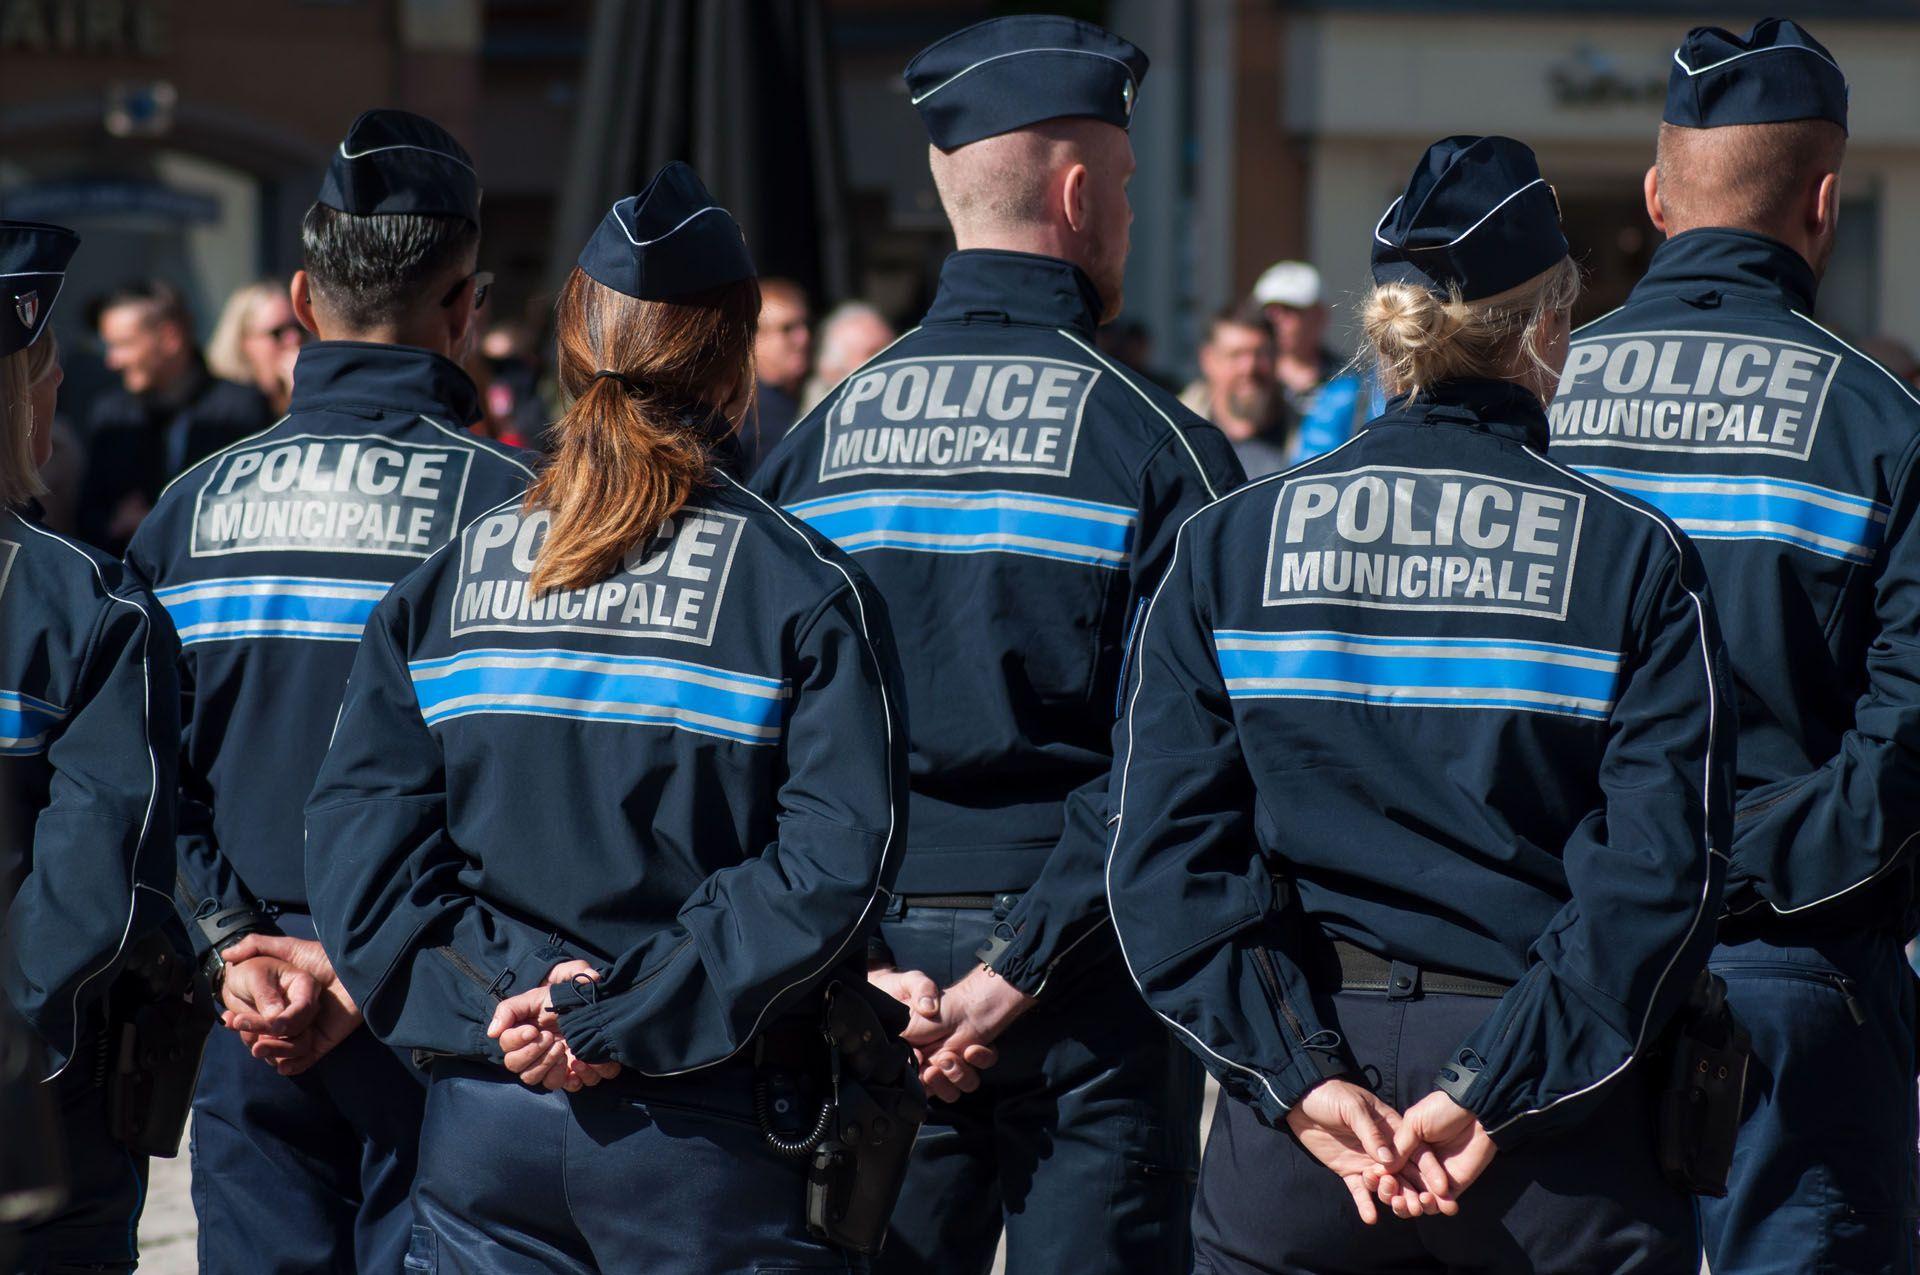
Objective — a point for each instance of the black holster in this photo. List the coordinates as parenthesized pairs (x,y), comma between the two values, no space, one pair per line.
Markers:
(870,1112)
(158,1017)
(1700,1104)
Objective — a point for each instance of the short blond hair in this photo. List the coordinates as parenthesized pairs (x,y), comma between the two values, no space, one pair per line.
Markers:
(226,358)
(19,373)
(1419,339)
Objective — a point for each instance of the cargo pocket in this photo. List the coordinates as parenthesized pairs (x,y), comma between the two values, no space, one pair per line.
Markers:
(422,1252)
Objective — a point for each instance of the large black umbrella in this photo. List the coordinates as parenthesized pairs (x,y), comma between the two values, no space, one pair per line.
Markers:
(742,90)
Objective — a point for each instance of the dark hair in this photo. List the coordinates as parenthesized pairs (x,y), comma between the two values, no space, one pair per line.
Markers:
(1243,314)
(373,270)
(163,302)
(629,450)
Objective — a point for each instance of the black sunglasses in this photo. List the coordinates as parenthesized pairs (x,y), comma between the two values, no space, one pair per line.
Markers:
(482,281)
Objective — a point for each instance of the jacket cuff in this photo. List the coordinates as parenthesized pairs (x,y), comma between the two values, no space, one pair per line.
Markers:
(1011,955)
(585,1021)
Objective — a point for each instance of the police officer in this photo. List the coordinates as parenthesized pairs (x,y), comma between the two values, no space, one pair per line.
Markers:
(1789,457)
(88,722)
(1422,793)
(1014,495)
(270,556)
(637,738)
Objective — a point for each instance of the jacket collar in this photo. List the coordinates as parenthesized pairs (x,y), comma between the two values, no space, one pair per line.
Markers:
(1500,408)
(1699,265)
(981,285)
(384,378)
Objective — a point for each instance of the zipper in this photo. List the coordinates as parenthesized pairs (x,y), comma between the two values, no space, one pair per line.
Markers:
(1801,974)
(1270,980)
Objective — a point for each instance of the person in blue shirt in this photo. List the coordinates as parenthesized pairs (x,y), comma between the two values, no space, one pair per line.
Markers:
(270,556)
(1422,801)
(88,722)
(618,787)
(1789,457)
(1014,495)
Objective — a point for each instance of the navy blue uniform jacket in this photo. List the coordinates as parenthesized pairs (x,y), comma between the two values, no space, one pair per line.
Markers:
(88,727)
(690,774)
(1788,457)
(1014,495)
(270,556)
(1437,696)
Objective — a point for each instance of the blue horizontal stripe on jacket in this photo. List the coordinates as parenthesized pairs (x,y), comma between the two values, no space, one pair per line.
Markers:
(1419,672)
(1741,507)
(605,688)
(24,723)
(307,607)
(933,521)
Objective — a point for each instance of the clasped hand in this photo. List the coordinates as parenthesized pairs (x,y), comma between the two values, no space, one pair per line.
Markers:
(952,1032)
(532,1046)
(283,999)
(1416,1163)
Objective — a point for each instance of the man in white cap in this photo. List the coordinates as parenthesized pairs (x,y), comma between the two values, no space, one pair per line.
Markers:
(1329,402)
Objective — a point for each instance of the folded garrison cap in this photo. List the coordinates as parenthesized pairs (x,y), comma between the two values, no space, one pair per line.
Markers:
(1477,215)
(398,162)
(1007,73)
(1778,72)
(33,264)
(669,240)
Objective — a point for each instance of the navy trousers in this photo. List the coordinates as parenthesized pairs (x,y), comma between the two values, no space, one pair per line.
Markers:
(1586,1201)
(1083,1141)
(670,1177)
(95,1230)
(1823,1173)
(305,1173)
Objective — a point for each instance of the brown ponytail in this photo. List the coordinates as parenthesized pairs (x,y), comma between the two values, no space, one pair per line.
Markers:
(628,451)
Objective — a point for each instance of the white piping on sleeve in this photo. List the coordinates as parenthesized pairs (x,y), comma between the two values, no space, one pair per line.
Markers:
(1122,378)
(1706,792)
(893,817)
(153,789)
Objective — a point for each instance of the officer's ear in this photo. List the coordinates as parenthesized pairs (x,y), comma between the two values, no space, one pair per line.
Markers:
(1073,198)
(300,293)
(1651,186)
(1823,217)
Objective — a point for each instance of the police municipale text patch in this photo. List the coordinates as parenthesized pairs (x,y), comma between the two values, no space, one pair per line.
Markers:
(1402,539)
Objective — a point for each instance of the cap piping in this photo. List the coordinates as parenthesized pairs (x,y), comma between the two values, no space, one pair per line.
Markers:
(1774,48)
(404,146)
(1435,247)
(1088,53)
(643,243)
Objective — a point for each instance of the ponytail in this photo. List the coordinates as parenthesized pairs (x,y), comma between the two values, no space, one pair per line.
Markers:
(630,449)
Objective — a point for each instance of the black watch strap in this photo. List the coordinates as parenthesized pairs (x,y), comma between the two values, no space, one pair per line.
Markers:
(228,926)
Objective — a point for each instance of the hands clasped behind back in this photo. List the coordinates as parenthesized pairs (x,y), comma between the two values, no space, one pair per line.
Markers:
(531,1043)
(284,1001)
(1417,1164)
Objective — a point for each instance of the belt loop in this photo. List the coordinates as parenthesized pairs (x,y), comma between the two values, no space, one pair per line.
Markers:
(1403,983)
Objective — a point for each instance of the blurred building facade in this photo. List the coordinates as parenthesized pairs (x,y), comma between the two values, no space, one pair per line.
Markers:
(185,137)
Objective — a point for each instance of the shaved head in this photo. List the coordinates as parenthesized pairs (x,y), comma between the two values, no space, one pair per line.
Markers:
(1750,176)
(1057,188)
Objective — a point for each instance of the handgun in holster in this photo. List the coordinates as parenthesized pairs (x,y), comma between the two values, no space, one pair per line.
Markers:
(158,1017)
(1700,1104)
(870,1110)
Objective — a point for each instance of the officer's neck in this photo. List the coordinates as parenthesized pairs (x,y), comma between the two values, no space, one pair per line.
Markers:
(1040,241)
(432,337)
(1793,238)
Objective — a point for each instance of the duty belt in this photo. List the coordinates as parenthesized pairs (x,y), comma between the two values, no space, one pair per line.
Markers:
(965,902)
(1362,971)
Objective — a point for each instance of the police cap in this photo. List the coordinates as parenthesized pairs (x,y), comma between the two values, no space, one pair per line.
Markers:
(1477,216)
(1007,73)
(33,264)
(398,162)
(1778,72)
(669,240)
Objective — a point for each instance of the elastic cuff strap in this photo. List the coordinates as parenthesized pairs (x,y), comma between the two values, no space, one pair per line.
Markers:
(989,952)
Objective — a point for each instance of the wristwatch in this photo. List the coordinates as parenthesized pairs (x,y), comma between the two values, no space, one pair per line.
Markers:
(222,930)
